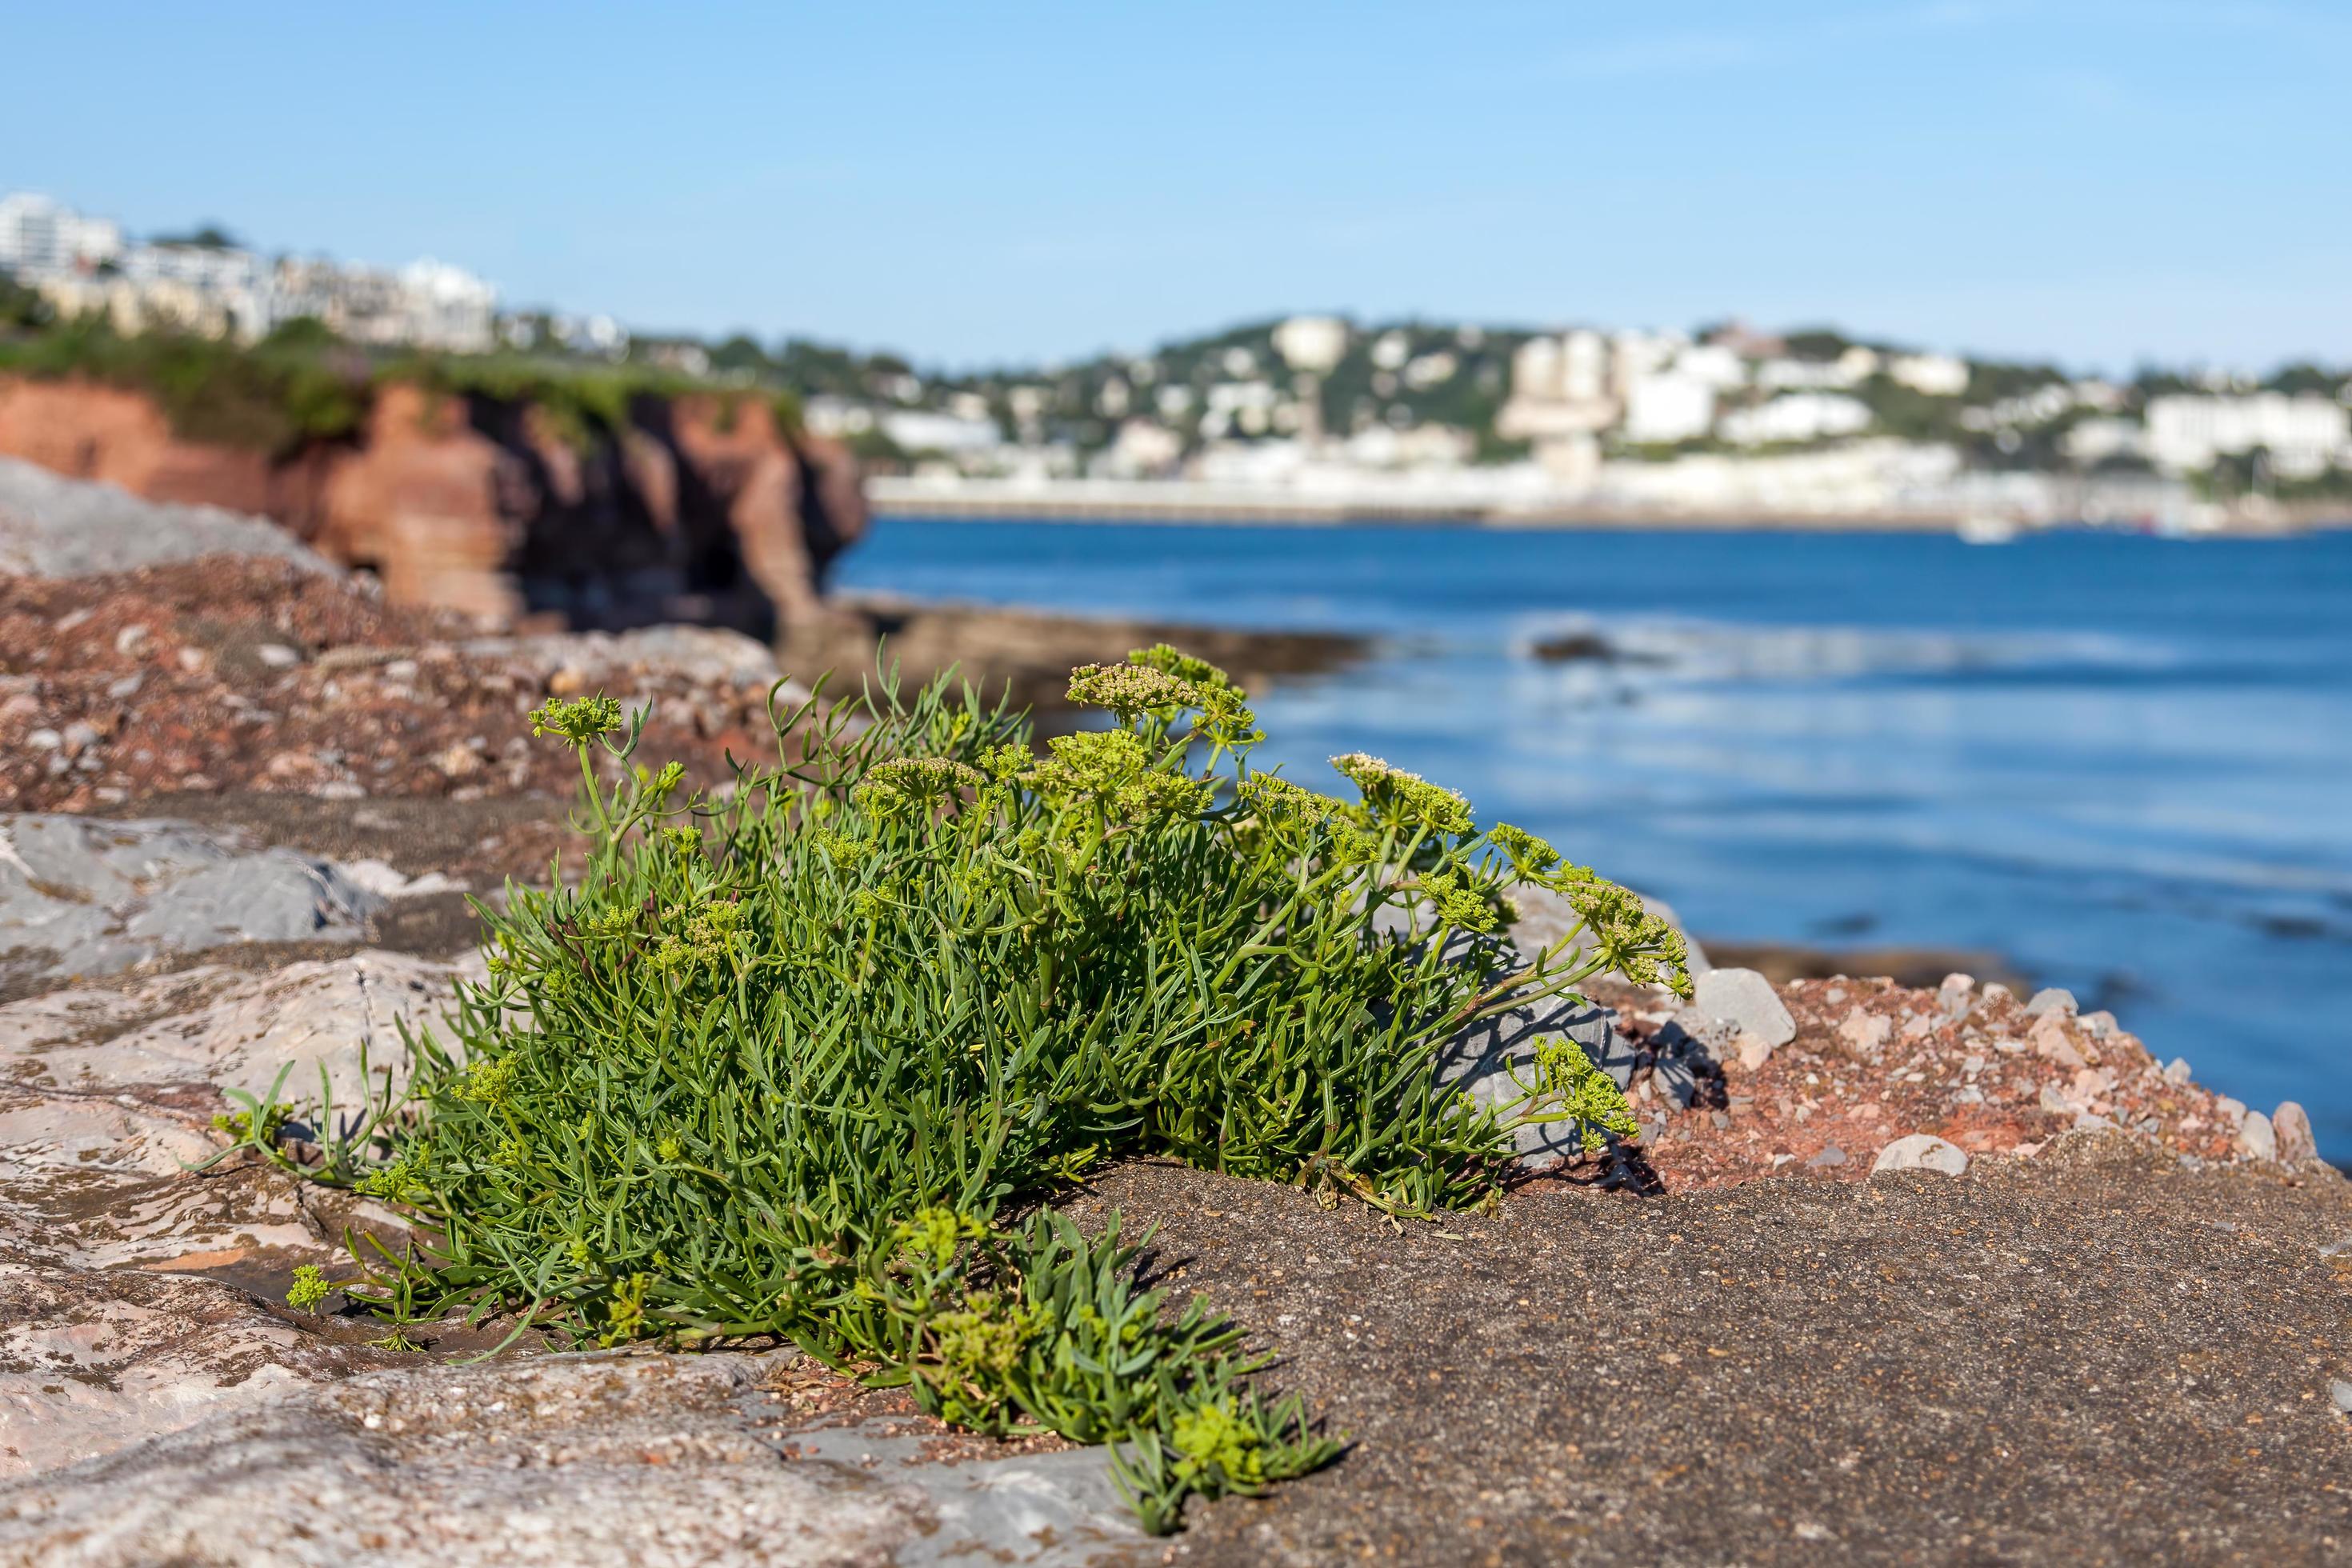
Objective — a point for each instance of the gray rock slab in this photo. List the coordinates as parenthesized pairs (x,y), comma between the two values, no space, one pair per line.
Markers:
(1746,1000)
(572,1459)
(84,897)
(108,1091)
(1482,1058)
(51,526)
(593,1459)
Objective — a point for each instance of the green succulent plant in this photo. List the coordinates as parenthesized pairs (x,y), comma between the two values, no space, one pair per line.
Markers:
(813,1058)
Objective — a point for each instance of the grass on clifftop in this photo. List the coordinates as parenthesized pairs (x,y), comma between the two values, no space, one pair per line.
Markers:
(815,1059)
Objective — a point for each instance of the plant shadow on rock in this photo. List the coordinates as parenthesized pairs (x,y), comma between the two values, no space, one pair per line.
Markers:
(815,1059)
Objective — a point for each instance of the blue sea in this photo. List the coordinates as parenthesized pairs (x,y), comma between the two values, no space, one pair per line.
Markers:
(2124,763)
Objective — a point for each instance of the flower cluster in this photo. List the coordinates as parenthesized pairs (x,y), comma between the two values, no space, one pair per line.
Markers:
(1407,799)
(1210,1442)
(1579,1091)
(1531,856)
(907,784)
(1183,666)
(579,721)
(1112,769)
(1459,901)
(711,932)
(1641,946)
(1132,690)
(311,1287)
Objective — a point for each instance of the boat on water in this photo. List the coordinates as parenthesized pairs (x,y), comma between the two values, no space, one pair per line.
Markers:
(1984,529)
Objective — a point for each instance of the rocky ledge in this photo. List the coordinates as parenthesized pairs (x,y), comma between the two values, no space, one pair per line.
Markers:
(1891,1273)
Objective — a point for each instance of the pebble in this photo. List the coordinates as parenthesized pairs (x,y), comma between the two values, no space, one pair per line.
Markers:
(2176,1070)
(45,740)
(2098,1024)
(459,760)
(2256,1139)
(81,736)
(1865,1030)
(1953,995)
(2048,1038)
(2341,1393)
(127,687)
(1922,1152)
(131,639)
(1745,999)
(2052,999)
(2291,1128)
(1828,1158)
(278,656)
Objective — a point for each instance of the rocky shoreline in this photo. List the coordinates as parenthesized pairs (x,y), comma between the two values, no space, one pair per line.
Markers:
(1893,1271)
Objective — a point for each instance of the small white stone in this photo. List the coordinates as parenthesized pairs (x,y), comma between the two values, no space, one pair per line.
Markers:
(1745,998)
(1922,1152)
(278,656)
(2290,1127)
(2052,999)
(2256,1140)
(2176,1070)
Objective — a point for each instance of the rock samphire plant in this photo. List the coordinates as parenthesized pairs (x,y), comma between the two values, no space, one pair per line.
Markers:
(815,1059)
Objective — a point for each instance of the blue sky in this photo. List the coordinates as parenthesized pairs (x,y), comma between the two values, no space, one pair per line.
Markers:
(2095,183)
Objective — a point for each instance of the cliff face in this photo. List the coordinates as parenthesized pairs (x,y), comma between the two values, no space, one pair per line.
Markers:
(702,508)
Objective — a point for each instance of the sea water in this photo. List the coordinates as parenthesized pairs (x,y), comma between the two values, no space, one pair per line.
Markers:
(2123,763)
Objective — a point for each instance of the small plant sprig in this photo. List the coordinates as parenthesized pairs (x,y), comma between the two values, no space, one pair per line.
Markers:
(813,1058)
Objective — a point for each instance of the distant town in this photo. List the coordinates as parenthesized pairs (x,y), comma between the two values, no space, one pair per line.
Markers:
(1318,418)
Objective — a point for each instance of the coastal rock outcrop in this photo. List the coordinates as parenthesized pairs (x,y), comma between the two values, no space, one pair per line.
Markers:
(698,508)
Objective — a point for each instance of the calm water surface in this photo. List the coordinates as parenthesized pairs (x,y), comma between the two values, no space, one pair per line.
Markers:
(2126,764)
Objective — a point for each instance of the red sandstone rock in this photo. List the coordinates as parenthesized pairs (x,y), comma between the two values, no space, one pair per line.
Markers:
(704,510)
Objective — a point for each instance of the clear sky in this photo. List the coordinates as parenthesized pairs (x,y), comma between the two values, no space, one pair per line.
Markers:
(2097,183)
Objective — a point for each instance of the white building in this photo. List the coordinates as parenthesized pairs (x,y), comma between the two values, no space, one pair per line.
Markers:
(2302,434)
(1936,375)
(1423,447)
(42,238)
(1797,416)
(1311,343)
(1851,368)
(219,290)
(915,430)
(1143,450)
(2096,440)
(447,307)
(1666,407)
(1714,364)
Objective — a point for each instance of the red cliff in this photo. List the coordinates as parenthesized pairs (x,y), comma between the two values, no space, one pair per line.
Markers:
(699,507)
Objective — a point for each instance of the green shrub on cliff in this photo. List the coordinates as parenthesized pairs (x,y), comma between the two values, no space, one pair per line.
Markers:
(274,396)
(812,1061)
